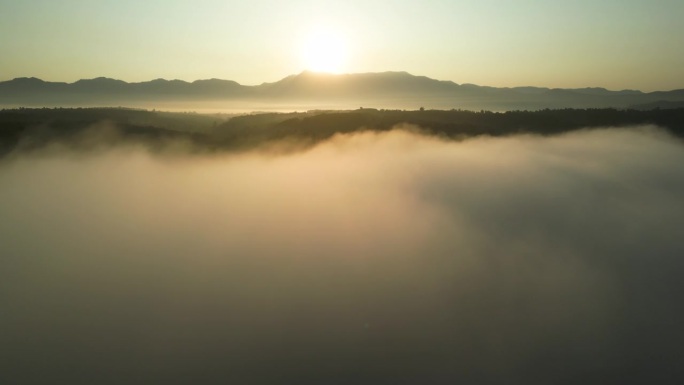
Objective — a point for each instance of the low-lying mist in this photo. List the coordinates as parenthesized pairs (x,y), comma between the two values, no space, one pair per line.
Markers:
(367,259)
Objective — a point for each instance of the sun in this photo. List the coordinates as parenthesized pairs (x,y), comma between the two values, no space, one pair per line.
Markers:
(325,51)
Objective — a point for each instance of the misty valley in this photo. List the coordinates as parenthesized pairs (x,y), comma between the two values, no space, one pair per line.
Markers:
(313,192)
(365,246)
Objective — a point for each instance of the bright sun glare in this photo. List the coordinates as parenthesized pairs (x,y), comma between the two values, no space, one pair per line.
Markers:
(325,51)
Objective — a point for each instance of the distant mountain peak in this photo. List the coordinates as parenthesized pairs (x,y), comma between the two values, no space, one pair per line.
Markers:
(370,88)
(100,80)
(27,80)
(214,80)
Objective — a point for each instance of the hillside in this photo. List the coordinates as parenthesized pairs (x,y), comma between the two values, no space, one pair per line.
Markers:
(30,129)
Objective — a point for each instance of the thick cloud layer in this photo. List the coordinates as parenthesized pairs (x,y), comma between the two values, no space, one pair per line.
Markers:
(372,258)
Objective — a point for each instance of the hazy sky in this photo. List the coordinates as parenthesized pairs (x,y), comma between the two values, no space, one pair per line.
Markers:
(610,43)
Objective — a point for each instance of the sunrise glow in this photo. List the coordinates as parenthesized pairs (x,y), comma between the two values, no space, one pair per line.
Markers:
(325,51)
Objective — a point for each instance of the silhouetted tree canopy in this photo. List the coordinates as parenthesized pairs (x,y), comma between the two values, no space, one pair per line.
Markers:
(39,127)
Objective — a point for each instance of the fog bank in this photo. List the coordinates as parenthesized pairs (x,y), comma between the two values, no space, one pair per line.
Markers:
(369,258)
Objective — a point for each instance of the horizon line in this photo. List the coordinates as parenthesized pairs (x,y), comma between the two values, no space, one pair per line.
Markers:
(336,75)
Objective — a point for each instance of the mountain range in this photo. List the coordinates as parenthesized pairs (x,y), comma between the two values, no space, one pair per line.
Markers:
(313,90)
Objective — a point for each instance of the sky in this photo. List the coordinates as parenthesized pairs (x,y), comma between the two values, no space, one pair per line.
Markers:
(616,44)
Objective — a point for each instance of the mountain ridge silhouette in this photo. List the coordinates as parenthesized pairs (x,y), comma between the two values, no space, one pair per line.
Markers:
(383,87)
